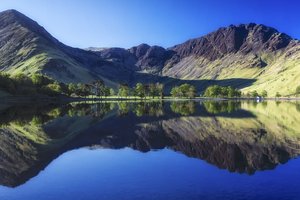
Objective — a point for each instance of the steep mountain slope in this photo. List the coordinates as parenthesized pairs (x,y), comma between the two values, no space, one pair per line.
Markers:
(28,48)
(246,51)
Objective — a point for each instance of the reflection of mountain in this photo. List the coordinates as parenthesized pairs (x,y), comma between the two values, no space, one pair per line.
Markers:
(256,141)
(30,139)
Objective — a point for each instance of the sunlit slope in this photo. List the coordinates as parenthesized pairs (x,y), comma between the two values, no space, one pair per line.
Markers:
(280,72)
(27,48)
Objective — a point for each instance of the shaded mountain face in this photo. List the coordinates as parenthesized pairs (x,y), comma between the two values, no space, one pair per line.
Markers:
(224,134)
(249,51)
(245,38)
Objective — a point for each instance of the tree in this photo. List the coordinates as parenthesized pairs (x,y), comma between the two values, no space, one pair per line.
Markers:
(191,93)
(98,87)
(123,90)
(160,90)
(219,91)
(264,93)
(72,88)
(153,90)
(55,87)
(83,89)
(111,92)
(175,92)
(278,95)
(139,90)
(254,93)
(184,90)
(231,92)
(298,90)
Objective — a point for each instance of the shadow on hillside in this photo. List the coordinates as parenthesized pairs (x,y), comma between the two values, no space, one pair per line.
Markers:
(201,85)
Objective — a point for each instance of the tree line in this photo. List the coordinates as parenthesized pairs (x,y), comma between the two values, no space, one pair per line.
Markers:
(142,90)
(21,84)
(219,91)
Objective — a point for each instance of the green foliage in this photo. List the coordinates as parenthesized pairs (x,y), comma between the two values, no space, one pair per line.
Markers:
(148,90)
(72,89)
(219,91)
(123,108)
(184,90)
(277,95)
(112,92)
(254,93)
(83,89)
(298,90)
(55,87)
(216,107)
(124,90)
(148,108)
(183,107)
(21,84)
(264,93)
(140,90)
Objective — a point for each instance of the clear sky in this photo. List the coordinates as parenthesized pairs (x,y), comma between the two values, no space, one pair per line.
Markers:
(125,23)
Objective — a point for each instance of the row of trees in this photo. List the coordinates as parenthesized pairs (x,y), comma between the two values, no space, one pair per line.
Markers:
(219,91)
(254,94)
(142,90)
(184,90)
(21,84)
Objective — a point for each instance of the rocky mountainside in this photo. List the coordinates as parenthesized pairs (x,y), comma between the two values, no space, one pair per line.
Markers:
(249,51)
(248,56)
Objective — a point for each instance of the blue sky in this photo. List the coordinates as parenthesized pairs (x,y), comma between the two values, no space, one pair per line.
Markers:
(125,23)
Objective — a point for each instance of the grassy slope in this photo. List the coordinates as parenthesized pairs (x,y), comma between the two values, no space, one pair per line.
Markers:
(282,73)
(282,76)
(41,56)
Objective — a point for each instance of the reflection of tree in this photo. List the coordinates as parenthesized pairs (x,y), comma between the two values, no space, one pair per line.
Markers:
(123,108)
(264,104)
(298,107)
(153,108)
(95,110)
(183,107)
(216,107)
(38,115)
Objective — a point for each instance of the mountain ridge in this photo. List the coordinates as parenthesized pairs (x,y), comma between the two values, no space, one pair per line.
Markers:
(245,51)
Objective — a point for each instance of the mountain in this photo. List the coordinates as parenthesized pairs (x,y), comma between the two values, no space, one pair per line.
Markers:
(28,48)
(247,56)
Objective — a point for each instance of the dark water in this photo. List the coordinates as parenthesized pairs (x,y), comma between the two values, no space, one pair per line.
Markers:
(151,150)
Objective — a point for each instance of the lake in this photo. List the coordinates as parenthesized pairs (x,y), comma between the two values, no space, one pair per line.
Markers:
(235,150)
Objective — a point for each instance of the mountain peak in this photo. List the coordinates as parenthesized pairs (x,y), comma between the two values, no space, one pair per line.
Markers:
(243,38)
(12,16)
(11,20)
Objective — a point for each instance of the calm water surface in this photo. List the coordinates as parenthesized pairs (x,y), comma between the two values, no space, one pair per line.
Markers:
(151,150)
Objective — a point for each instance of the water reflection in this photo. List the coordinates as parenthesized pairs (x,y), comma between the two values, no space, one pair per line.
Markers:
(238,136)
